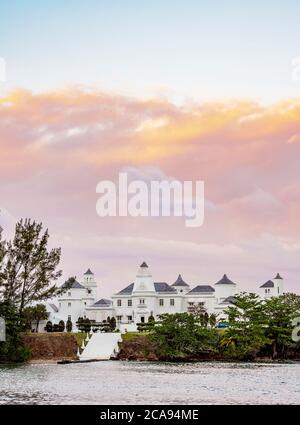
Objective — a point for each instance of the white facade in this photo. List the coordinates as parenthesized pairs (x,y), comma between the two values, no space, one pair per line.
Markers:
(272,288)
(144,298)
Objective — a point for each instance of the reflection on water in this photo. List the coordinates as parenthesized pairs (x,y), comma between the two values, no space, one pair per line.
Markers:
(150,383)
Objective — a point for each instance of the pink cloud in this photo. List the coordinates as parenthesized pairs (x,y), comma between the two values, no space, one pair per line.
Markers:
(55,147)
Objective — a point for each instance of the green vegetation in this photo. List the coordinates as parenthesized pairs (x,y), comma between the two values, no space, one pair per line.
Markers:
(255,329)
(83,324)
(28,268)
(13,349)
(182,335)
(79,336)
(128,336)
(260,327)
(69,326)
(112,324)
(28,271)
(34,314)
(61,326)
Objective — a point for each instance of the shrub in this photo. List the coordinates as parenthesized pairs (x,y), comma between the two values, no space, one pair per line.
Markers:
(69,326)
(61,326)
(112,324)
(84,324)
(49,326)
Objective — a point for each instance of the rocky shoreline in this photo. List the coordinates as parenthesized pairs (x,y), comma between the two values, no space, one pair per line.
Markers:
(62,347)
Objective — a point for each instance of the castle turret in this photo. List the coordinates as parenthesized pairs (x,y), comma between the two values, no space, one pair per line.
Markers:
(279,284)
(180,285)
(89,283)
(224,288)
(143,281)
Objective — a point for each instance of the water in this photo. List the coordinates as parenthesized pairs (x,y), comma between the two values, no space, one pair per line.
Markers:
(116,382)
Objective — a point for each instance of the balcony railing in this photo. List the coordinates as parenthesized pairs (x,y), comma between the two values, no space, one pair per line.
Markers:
(142,306)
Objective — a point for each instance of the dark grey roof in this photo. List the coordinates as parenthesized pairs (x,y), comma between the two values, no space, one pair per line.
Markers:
(180,282)
(54,308)
(228,300)
(278,276)
(102,303)
(268,284)
(74,284)
(159,287)
(163,287)
(88,272)
(202,288)
(127,290)
(225,281)
(144,264)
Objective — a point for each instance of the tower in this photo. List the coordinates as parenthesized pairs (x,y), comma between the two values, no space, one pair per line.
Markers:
(89,283)
(143,280)
(181,286)
(224,288)
(279,283)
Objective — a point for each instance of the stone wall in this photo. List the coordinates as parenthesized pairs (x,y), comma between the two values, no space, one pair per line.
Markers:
(51,346)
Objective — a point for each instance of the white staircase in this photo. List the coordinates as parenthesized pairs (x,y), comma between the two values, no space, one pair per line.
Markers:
(101,346)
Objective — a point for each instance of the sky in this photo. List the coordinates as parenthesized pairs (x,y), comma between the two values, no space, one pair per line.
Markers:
(195,90)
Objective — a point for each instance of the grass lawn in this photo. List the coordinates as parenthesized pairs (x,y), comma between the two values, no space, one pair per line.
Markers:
(130,335)
(79,336)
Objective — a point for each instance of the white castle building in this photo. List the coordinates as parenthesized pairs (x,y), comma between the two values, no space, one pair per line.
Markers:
(144,298)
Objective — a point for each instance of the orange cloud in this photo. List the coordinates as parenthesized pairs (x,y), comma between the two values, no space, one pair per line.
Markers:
(56,146)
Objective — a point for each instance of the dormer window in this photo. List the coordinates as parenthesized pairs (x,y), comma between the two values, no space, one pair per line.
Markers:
(69,294)
(267,291)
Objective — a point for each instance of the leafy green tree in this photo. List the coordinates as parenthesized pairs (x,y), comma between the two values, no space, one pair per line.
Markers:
(279,313)
(27,318)
(246,334)
(39,313)
(204,319)
(28,267)
(151,323)
(212,320)
(61,326)
(199,311)
(181,334)
(34,314)
(69,326)
(13,349)
(2,254)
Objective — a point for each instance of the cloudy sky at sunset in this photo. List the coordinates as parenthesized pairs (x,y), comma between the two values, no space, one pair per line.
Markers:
(189,90)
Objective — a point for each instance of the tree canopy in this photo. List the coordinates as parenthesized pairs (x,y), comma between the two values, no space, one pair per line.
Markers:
(28,268)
